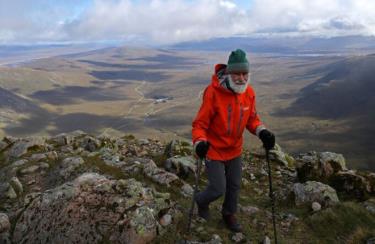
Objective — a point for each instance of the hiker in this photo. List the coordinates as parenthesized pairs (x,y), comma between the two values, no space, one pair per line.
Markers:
(228,107)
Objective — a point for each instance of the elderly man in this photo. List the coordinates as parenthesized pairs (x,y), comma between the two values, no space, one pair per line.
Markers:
(228,108)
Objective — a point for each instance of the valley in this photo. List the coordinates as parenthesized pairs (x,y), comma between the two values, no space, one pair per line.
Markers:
(124,90)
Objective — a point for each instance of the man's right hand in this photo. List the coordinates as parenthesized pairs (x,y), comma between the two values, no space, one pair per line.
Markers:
(268,139)
(201,148)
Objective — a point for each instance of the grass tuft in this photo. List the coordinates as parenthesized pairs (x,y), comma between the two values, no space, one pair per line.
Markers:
(346,221)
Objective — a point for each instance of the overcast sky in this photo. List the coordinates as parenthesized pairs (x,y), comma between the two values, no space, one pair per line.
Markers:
(173,21)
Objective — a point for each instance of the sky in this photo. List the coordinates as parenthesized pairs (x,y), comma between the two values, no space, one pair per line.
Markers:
(156,22)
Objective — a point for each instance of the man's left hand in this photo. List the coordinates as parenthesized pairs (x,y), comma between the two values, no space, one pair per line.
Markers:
(268,139)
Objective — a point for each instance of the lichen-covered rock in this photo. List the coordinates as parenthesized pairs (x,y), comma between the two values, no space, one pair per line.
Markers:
(21,147)
(44,156)
(266,240)
(238,237)
(44,165)
(249,210)
(11,193)
(187,190)
(336,160)
(312,191)
(19,163)
(165,220)
(62,139)
(287,220)
(215,239)
(158,175)
(67,139)
(278,155)
(29,170)
(90,144)
(3,189)
(315,206)
(3,145)
(38,157)
(30,197)
(108,135)
(78,133)
(66,150)
(4,223)
(10,139)
(144,224)
(139,148)
(16,185)
(111,157)
(70,165)
(144,142)
(370,205)
(319,166)
(351,184)
(92,209)
(111,208)
(245,182)
(181,166)
(176,147)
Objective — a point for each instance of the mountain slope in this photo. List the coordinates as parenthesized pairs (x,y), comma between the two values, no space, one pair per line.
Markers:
(14,102)
(126,190)
(346,91)
(339,109)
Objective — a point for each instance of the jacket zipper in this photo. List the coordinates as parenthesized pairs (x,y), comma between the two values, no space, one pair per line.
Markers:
(240,120)
(229,110)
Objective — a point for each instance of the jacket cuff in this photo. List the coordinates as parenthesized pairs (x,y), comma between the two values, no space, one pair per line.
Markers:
(196,143)
(259,129)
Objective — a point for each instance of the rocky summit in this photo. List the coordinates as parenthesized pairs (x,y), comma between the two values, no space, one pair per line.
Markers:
(81,188)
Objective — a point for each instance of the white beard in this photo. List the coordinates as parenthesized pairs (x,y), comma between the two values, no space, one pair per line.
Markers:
(237,88)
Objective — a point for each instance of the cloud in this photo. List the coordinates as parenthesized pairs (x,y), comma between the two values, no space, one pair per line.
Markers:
(160,21)
(23,21)
(172,21)
(318,17)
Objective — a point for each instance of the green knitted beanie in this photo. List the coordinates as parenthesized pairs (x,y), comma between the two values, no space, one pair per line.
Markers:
(237,62)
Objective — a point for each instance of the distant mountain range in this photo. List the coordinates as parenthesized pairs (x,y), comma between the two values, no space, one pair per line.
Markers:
(10,54)
(285,45)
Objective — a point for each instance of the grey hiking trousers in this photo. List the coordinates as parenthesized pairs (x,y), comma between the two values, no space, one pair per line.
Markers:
(224,177)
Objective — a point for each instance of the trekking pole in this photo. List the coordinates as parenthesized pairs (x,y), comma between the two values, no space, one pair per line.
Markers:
(271,195)
(197,176)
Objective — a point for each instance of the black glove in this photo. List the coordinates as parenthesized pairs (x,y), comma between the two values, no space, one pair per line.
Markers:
(202,148)
(268,139)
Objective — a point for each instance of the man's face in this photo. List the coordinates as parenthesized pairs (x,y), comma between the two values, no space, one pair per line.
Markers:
(240,78)
(238,81)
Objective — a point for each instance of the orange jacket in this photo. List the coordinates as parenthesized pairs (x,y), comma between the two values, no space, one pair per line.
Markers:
(223,117)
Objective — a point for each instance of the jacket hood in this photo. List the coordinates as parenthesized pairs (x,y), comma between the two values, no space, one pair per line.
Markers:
(219,71)
(220,68)
(216,79)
